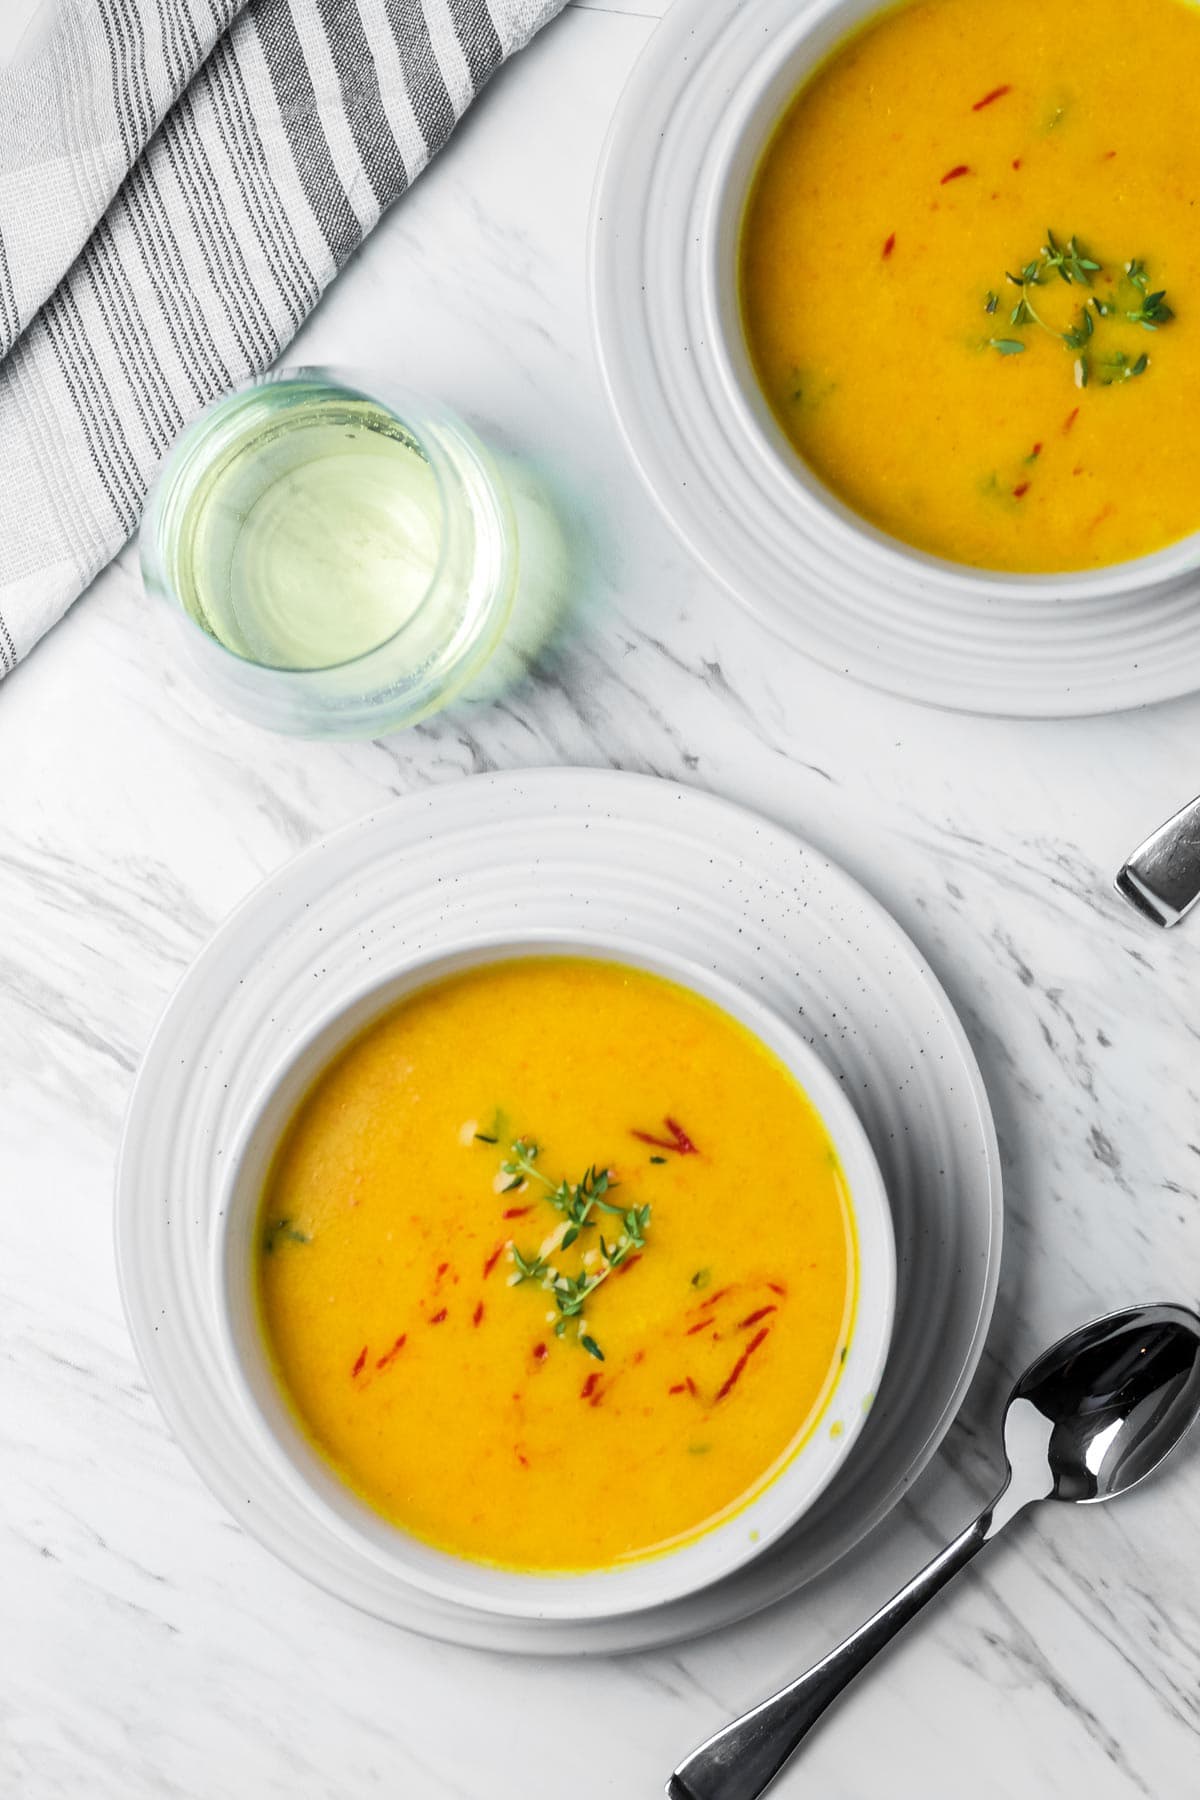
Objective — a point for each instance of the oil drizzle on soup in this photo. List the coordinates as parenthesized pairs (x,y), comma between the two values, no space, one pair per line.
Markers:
(882,253)
(436,1379)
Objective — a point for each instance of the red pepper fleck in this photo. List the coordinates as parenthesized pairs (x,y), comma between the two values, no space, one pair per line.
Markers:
(361,1363)
(517,1212)
(996,94)
(1016,162)
(1036,451)
(1020,491)
(754,1317)
(686,1146)
(1070,420)
(1078,469)
(477,1315)
(441,1270)
(693,1329)
(589,1387)
(679,1141)
(540,1353)
(522,1459)
(1108,155)
(735,1374)
(719,1295)
(630,1264)
(889,244)
(395,1350)
(492,1260)
(639,1356)
(691,1386)
(680,1387)
(438,1317)
(954,173)
(777,1287)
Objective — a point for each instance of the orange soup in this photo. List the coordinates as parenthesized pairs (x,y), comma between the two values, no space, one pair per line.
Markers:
(556,1264)
(969,267)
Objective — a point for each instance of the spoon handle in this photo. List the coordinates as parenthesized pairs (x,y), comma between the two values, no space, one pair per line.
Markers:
(1162,877)
(741,1762)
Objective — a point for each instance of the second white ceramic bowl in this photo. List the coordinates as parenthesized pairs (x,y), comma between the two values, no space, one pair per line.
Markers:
(692,126)
(658,1578)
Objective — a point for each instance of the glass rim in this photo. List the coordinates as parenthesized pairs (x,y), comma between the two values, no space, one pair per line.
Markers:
(354,385)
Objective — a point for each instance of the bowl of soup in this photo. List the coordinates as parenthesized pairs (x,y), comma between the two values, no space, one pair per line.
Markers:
(897,310)
(967,274)
(555,1275)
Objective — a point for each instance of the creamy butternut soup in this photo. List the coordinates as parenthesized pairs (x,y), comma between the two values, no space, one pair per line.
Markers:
(556,1264)
(969,267)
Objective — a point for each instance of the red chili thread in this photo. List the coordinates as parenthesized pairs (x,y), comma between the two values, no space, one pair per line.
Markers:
(517,1212)
(996,94)
(589,1387)
(777,1287)
(693,1329)
(395,1350)
(1016,162)
(1036,451)
(754,1317)
(361,1363)
(954,173)
(680,1387)
(522,1459)
(477,1315)
(540,1353)
(1020,491)
(1070,420)
(441,1270)
(889,244)
(438,1317)
(691,1386)
(679,1141)
(631,1264)
(735,1373)
(719,1295)
(492,1260)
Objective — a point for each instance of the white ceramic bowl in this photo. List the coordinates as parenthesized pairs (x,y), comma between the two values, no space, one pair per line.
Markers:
(693,123)
(606,1593)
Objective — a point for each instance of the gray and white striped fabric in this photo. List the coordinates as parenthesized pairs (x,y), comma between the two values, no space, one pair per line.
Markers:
(179,181)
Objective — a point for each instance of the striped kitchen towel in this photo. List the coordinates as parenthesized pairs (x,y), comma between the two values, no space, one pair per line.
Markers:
(179,181)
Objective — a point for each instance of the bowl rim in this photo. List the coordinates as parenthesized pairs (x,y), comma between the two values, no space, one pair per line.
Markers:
(699,1560)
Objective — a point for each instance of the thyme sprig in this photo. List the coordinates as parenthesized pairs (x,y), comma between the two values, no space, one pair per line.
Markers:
(576,1201)
(1071,263)
(283,1228)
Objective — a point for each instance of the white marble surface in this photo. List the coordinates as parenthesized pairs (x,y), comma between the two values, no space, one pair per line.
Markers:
(148,1648)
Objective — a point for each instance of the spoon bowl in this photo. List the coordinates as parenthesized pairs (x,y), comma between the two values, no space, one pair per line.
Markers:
(1107,1403)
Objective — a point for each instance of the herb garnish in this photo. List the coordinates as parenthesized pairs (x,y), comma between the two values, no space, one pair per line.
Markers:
(577,1201)
(1072,264)
(282,1228)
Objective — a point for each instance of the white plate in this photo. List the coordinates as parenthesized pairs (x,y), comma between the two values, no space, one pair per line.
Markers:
(579,851)
(698,108)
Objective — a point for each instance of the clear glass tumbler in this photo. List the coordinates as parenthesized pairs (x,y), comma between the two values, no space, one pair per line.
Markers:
(341,553)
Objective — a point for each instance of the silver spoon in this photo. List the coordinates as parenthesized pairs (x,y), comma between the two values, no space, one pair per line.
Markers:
(1088,1420)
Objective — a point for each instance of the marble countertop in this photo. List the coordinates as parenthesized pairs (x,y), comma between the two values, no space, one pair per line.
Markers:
(150,1649)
